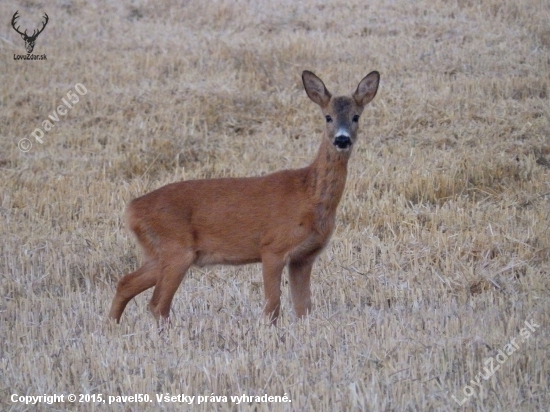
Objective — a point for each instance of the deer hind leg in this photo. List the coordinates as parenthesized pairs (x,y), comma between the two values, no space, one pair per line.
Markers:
(299,275)
(272,267)
(131,285)
(174,267)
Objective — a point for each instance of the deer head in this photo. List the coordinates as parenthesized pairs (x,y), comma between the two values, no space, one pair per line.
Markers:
(29,40)
(341,113)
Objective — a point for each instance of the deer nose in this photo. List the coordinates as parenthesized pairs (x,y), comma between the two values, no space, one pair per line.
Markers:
(342,141)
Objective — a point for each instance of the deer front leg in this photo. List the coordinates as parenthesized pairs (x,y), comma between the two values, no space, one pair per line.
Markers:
(272,267)
(299,274)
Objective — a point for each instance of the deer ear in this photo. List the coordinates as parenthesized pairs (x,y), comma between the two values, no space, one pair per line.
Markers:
(315,88)
(367,88)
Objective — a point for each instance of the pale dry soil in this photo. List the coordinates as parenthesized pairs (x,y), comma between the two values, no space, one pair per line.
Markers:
(442,243)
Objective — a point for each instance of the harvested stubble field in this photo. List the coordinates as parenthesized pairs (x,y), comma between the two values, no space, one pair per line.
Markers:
(442,245)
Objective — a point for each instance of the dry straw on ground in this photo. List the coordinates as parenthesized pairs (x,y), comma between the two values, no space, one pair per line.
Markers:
(442,245)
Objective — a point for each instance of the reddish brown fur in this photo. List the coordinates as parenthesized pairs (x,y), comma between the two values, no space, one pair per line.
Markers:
(285,218)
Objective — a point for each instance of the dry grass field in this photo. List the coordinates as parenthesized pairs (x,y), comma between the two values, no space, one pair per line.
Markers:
(441,251)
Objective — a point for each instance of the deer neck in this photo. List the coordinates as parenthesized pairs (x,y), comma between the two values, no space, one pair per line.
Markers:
(327,175)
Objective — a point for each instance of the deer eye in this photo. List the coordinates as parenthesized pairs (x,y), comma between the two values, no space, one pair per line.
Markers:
(355,118)
(329,119)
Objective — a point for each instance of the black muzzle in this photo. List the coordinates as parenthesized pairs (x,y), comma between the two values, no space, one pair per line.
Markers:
(342,142)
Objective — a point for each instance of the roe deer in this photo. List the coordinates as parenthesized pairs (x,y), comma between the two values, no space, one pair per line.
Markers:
(284,218)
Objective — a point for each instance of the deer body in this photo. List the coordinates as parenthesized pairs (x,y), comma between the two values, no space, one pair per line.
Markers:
(284,218)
